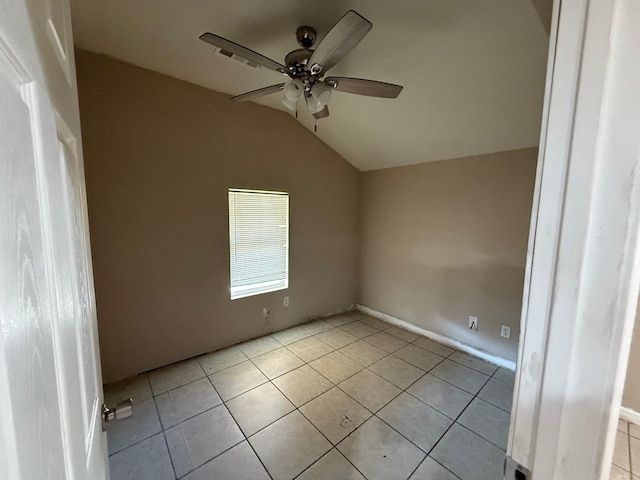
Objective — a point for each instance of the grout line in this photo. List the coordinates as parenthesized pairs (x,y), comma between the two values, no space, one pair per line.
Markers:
(445,468)
(433,459)
(455,421)
(374,414)
(163,430)
(628,433)
(246,439)
(464,410)
(221,453)
(297,408)
(142,439)
(400,433)
(348,377)
(279,418)
(334,385)
(495,406)
(135,443)
(173,467)
(360,403)
(477,434)
(271,381)
(259,459)
(333,447)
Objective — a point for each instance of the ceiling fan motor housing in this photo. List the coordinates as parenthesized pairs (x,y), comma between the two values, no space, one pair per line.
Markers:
(298,59)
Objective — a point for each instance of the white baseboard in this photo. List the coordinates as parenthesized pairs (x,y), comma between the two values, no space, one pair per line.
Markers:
(629,415)
(436,337)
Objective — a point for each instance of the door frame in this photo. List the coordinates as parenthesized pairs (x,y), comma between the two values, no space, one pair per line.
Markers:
(583,260)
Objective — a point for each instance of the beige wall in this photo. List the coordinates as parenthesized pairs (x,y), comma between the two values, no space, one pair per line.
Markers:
(545,12)
(160,155)
(445,240)
(631,398)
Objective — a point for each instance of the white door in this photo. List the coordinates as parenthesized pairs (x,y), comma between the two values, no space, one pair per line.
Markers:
(50,381)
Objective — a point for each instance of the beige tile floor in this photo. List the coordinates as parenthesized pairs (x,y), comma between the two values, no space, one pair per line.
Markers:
(348,397)
(626,456)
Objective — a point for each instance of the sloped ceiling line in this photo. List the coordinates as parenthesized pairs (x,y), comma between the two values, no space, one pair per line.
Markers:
(473,72)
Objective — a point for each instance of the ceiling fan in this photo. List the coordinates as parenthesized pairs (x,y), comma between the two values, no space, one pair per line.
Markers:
(306,67)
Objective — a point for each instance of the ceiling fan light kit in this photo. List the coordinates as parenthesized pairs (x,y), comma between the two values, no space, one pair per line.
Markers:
(289,103)
(294,89)
(306,67)
(322,92)
(313,103)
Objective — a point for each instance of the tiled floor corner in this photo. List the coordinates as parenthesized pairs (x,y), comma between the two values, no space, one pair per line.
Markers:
(346,397)
(626,455)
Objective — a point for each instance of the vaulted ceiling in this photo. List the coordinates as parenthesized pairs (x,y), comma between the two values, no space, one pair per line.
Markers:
(473,71)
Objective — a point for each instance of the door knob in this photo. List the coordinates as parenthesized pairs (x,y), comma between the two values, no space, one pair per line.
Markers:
(122,410)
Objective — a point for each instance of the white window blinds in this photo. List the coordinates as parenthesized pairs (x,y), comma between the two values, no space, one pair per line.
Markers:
(258,242)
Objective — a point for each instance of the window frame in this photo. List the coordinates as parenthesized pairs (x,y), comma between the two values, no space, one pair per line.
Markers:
(258,288)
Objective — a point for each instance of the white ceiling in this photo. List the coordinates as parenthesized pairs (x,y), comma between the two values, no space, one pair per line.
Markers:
(473,71)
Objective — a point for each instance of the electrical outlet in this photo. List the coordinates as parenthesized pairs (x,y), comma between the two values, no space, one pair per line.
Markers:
(505,331)
(473,323)
(285,301)
(265,312)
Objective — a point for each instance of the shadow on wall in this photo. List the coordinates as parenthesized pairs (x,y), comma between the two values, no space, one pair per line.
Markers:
(444,240)
(440,299)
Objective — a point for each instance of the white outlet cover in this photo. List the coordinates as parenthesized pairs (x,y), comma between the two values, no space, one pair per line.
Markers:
(285,301)
(473,322)
(505,331)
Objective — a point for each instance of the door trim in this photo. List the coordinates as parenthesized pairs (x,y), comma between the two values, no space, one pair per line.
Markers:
(583,262)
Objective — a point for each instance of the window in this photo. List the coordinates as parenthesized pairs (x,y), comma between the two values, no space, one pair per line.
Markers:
(258,242)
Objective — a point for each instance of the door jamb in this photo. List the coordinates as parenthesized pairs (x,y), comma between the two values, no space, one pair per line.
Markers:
(583,262)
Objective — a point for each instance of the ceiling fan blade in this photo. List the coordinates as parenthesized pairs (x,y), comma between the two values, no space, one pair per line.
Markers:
(231,48)
(324,113)
(360,86)
(341,39)
(261,92)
